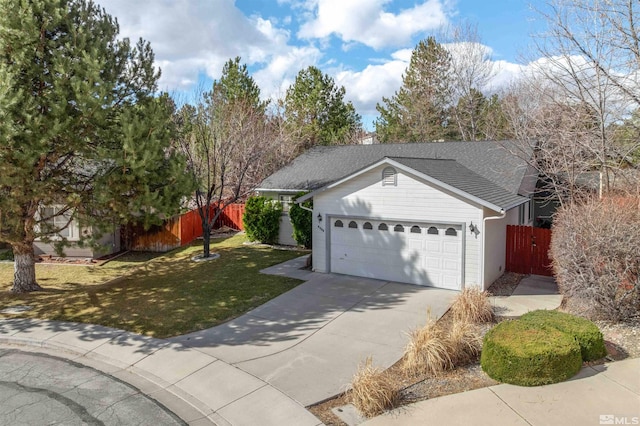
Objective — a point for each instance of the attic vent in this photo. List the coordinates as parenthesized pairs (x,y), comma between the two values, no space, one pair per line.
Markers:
(389,177)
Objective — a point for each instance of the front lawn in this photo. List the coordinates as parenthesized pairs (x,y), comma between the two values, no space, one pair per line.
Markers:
(159,296)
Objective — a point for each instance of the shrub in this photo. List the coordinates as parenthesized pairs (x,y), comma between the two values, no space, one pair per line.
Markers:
(464,342)
(6,255)
(594,251)
(372,391)
(472,305)
(261,219)
(427,351)
(302,221)
(583,331)
(520,353)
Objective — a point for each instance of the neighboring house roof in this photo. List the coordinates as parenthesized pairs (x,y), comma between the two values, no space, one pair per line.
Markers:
(323,165)
(447,175)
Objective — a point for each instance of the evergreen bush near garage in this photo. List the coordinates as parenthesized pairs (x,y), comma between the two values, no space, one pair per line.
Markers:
(302,221)
(525,354)
(585,332)
(261,219)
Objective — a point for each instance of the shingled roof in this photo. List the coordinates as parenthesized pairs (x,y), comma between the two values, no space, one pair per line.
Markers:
(323,165)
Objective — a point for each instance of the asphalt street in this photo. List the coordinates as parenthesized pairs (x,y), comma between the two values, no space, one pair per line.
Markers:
(38,389)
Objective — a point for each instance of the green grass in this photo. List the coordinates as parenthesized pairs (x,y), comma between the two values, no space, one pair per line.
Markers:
(159,296)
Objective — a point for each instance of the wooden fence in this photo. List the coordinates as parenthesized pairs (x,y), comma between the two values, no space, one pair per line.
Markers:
(179,230)
(528,250)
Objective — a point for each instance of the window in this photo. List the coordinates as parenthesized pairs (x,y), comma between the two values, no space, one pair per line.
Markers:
(367,225)
(416,230)
(525,213)
(383,227)
(353,225)
(398,228)
(55,220)
(432,230)
(286,201)
(389,177)
(338,224)
(451,232)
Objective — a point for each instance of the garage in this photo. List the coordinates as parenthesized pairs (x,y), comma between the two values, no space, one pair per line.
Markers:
(420,253)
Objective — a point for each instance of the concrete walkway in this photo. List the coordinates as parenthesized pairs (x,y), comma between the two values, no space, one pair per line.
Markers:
(602,394)
(532,293)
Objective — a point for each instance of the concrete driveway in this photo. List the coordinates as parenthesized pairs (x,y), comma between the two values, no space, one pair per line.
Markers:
(309,341)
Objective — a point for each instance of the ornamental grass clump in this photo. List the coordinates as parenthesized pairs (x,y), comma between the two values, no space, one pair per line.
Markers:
(427,351)
(464,342)
(372,390)
(472,305)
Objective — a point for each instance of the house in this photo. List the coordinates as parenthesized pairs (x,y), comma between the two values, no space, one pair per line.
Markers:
(431,214)
(109,242)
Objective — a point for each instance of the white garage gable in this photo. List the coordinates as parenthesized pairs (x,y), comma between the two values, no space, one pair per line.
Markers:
(440,252)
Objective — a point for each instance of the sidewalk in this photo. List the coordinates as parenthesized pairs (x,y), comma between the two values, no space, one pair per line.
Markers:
(602,394)
(533,292)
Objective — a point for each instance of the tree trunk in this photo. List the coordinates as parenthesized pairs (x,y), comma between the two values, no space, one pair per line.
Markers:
(24,277)
(206,238)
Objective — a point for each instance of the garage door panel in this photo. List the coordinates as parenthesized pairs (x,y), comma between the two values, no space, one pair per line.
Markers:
(412,257)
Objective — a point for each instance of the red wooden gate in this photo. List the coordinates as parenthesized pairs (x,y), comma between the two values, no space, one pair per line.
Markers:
(528,250)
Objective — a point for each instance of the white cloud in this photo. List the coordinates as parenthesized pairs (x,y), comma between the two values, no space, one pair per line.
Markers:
(367,21)
(195,37)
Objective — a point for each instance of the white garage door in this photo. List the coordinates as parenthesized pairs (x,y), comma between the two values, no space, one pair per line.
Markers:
(416,253)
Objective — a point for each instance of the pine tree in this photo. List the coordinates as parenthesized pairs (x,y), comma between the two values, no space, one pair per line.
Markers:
(418,111)
(80,127)
(316,112)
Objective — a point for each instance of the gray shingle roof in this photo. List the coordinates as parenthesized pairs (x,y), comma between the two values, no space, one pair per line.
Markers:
(323,165)
(456,175)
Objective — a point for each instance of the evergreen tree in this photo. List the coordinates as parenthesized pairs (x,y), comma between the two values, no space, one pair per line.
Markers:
(316,112)
(236,84)
(80,128)
(418,111)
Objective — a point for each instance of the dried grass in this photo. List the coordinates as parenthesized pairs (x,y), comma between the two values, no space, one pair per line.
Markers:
(465,342)
(472,305)
(427,351)
(372,390)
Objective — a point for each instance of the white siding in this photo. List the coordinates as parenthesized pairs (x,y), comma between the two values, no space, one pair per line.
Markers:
(365,197)
(285,235)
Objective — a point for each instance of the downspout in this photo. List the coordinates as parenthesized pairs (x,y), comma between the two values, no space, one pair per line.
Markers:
(503,214)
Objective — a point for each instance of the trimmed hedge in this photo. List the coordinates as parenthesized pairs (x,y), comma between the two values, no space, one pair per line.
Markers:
(582,330)
(302,221)
(524,354)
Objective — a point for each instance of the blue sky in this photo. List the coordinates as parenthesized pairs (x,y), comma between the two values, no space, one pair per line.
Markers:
(364,45)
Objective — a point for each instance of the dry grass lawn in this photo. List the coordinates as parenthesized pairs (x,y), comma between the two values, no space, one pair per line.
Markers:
(157,295)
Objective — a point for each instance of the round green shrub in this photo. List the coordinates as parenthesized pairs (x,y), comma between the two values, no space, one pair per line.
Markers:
(519,353)
(585,332)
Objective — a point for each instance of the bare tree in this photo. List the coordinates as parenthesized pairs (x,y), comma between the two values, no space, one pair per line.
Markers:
(224,153)
(471,71)
(589,71)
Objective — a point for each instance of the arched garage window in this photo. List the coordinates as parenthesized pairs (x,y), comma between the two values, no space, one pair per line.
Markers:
(416,230)
(432,230)
(398,228)
(451,232)
(353,225)
(383,227)
(367,225)
(338,224)
(389,177)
